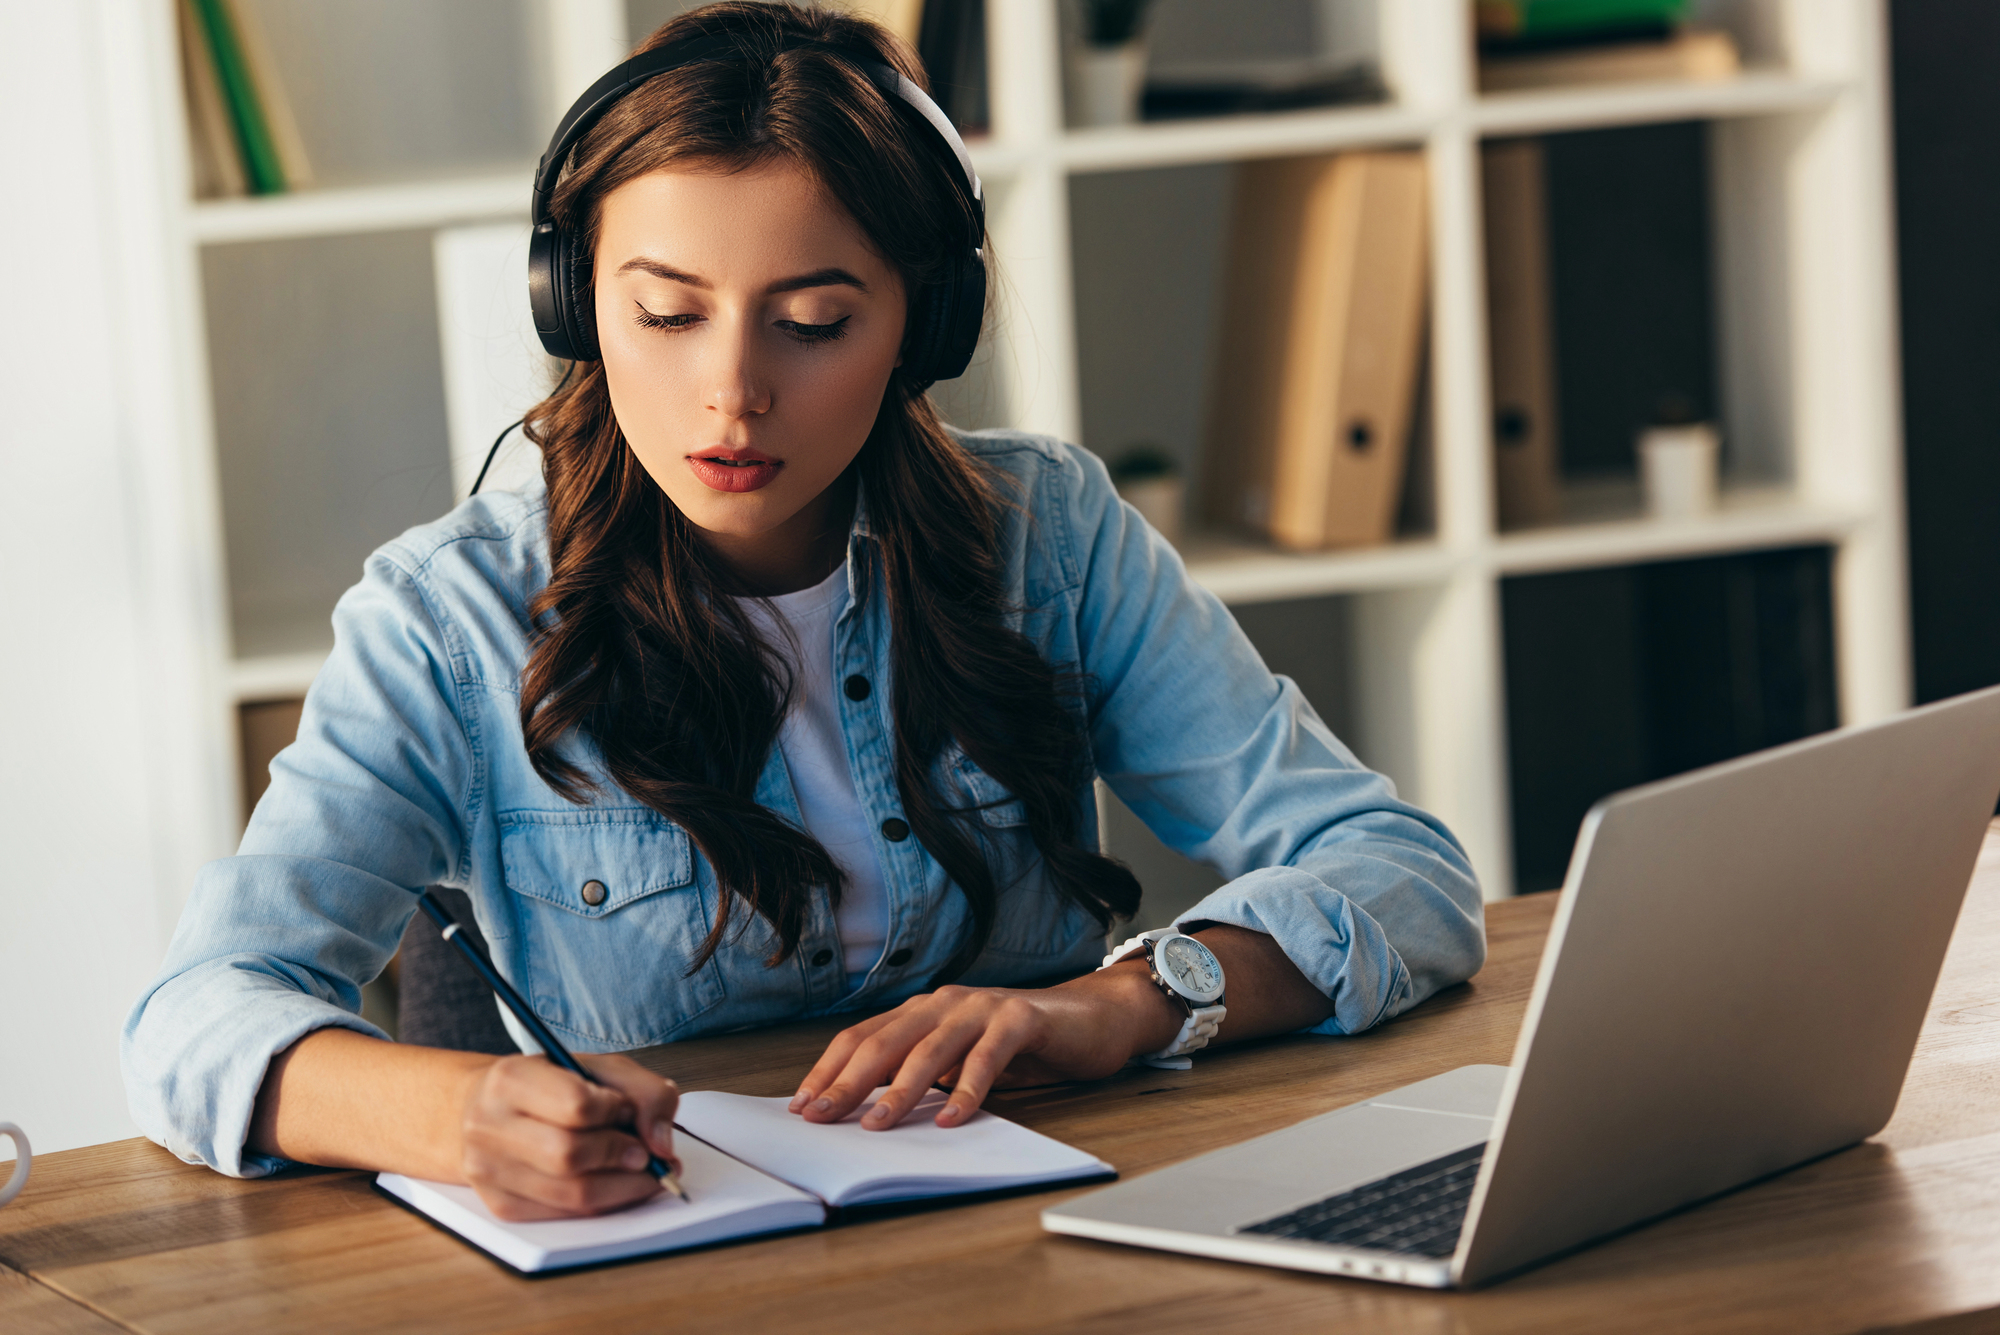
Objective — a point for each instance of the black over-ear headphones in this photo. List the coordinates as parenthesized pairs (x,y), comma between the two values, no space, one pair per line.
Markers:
(945,316)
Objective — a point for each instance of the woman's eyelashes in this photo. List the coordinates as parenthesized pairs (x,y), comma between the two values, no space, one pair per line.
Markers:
(647,320)
(795,329)
(816,333)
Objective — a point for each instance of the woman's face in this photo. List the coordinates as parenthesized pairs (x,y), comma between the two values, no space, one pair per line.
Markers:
(748,332)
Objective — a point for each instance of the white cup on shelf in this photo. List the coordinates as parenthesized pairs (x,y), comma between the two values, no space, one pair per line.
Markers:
(1678,466)
(1108,83)
(24,1158)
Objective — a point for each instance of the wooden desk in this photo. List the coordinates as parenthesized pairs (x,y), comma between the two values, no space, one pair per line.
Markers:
(1900,1233)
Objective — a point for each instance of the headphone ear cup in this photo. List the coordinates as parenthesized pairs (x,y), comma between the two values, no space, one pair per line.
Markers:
(547,271)
(966,318)
(948,316)
(558,288)
(579,310)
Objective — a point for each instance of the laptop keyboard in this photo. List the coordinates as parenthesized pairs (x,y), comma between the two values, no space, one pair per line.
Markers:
(1417,1212)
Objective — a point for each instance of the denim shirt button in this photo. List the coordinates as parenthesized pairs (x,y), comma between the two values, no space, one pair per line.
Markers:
(898,958)
(822,958)
(593,893)
(895,830)
(857,687)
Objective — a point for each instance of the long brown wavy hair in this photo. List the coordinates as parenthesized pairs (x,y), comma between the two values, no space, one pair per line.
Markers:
(641,642)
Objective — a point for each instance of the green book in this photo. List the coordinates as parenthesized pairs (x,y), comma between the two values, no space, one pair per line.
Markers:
(1541,20)
(261,164)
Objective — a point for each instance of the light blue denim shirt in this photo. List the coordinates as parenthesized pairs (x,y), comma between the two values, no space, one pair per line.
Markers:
(409,770)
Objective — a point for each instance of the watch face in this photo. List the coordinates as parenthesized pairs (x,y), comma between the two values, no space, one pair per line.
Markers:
(1188,963)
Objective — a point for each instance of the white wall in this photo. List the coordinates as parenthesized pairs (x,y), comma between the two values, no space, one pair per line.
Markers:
(100,758)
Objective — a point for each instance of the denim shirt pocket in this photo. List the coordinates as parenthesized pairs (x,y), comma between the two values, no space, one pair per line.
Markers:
(998,808)
(1035,926)
(610,973)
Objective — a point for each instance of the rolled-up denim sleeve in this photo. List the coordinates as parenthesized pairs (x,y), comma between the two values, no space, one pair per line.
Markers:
(363,810)
(1372,898)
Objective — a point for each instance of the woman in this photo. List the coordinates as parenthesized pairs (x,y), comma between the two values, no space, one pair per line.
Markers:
(781,699)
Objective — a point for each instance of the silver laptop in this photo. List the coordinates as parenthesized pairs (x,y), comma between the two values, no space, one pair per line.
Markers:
(1733,984)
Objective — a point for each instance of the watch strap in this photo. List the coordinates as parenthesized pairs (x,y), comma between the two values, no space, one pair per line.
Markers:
(1132,943)
(1193,1037)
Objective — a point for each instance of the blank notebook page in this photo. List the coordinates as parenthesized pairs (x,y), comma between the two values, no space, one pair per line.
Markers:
(729,1200)
(843,1164)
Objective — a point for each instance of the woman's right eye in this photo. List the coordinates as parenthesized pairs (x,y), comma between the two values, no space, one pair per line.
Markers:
(646,319)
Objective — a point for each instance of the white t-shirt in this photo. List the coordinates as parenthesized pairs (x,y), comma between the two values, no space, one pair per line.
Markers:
(816,753)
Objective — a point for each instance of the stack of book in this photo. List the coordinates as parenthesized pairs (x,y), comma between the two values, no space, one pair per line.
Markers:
(1319,350)
(1551,43)
(245,139)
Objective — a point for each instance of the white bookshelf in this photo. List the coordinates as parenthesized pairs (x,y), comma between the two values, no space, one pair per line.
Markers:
(1806,315)
(1805,311)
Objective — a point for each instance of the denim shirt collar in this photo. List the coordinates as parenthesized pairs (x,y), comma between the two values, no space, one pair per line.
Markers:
(860,533)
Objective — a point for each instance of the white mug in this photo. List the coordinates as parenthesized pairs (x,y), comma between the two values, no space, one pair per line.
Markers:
(23,1157)
(1678,465)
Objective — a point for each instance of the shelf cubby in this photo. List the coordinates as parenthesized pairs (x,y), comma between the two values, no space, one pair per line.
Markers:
(1150,254)
(1618,675)
(453,87)
(329,420)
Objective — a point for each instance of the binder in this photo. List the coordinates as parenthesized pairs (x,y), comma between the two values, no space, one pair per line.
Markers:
(1323,315)
(1520,333)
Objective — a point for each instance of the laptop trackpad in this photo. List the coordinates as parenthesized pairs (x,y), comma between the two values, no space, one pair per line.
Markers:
(1285,1169)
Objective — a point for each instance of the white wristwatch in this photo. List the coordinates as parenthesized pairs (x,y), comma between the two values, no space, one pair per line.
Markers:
(1188,972)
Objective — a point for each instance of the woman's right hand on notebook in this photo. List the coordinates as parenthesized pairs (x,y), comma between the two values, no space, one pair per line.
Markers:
(540,1143)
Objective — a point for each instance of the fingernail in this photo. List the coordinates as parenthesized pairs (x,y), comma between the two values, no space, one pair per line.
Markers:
(951,1112)
(663,1133)
(879,1113)
(822,1105)
(799,1100)
(633,1159)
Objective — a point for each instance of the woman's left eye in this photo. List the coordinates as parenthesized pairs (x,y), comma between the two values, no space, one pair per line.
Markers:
(647,320)
(815,333)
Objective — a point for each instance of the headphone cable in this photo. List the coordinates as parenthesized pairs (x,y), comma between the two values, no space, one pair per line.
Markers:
(494,452)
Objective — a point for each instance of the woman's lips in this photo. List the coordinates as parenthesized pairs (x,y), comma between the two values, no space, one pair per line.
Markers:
(734,470)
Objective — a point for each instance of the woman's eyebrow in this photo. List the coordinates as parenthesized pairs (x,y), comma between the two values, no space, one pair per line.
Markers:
(828,277)
(818,278)
(661,271)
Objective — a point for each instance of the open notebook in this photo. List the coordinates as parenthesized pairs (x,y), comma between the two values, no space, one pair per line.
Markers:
(750,1167)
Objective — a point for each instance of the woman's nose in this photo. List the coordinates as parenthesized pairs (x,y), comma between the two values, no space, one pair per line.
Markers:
(737,385)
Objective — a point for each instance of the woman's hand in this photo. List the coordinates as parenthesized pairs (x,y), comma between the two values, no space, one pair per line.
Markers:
(976,1037)
(540,1143)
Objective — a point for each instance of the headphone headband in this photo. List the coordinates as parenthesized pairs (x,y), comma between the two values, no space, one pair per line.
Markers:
(601,96)
(945,312)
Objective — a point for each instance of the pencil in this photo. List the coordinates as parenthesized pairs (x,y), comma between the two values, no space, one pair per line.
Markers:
(551,1049)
